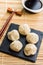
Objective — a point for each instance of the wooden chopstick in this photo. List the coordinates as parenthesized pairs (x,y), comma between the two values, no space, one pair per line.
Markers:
(5,25)
(19,13)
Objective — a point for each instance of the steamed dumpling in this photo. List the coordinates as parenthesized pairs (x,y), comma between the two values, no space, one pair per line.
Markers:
(24,29)
(30,49)
(32,38)
(13,35)
(16,46)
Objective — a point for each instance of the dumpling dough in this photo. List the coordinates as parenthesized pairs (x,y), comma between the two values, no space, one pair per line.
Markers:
(16,46)
(13,35)
(30,49)
(32,38)
(24,29)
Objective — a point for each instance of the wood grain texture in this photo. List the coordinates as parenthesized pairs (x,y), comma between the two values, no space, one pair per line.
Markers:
(34,20)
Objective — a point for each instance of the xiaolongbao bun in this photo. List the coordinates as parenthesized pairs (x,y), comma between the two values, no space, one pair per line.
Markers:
(32,38)
(16,46)
(13,35)
(30,49)
(24,29)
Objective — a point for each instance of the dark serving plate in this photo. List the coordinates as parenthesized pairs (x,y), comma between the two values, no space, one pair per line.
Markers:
(5,44)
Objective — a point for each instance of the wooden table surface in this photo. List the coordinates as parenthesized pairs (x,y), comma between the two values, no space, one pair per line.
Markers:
(34,20)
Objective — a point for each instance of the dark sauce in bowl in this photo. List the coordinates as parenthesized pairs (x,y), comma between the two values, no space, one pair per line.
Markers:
(33,5)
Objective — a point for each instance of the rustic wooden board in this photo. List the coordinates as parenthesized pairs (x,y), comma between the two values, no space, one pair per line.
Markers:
(34,20)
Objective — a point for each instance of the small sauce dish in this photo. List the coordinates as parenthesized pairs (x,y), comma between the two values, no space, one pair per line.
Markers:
(34,7)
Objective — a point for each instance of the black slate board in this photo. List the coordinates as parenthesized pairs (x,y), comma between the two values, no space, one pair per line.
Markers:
(5,44)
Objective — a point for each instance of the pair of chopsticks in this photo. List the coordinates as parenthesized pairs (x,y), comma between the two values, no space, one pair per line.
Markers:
(8,20)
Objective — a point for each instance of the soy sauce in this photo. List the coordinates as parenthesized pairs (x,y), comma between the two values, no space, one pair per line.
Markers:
(33,5)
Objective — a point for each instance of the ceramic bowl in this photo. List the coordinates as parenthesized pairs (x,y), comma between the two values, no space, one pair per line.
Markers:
(31,10)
